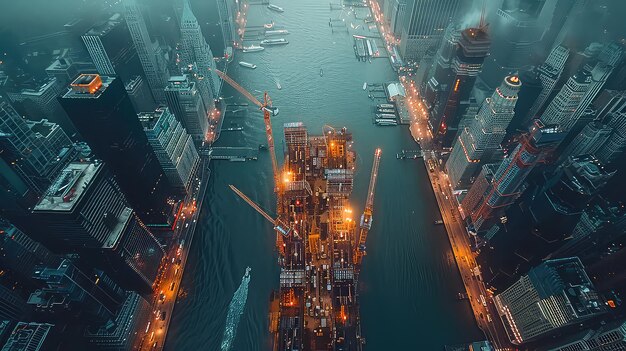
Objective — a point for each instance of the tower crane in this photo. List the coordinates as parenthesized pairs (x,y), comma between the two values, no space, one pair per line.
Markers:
(279,225)
(268,111)
(367,216)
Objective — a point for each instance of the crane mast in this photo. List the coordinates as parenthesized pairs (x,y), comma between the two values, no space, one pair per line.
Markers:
(266,107)
(367,217)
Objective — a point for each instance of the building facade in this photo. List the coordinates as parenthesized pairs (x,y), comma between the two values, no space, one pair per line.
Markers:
(185,101)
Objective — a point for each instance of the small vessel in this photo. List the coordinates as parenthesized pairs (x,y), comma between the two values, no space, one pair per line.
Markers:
(247,64)
(439,221)
(386,110)
(385,116)
(275,8)
(386,122)
(276,32)
(253,48)
(268,25)
(278,85)
(364,85)
(280,41)
(385,105)
(321,72)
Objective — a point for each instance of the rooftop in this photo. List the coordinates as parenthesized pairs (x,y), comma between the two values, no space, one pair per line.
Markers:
(105,27)
(150,119)
(88,86)
(68,187)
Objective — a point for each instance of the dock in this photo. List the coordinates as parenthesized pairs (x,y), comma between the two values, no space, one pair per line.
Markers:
(230,153)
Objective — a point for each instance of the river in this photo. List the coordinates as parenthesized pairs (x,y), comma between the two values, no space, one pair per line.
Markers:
(409,280)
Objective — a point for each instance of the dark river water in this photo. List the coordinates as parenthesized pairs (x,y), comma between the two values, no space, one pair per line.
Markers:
(409,280)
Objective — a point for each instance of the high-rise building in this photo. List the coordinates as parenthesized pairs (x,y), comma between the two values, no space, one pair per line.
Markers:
(440,75)
(611,336)
(517,28)
(566,192)
(139,94)
(84,211)
(589,140)
(63,69)
(228,10)
(424,24)
(549,74)
(119,333)
(174,148)
(196,52)
(615,144)
(37,151)
(19,254)
(105,117)
(610,101)
(38,100)
(396,17)
(69,290)
(473,47)
(30,337)
(12,306)
(562,108)
(499,186)
(479,141)
(553,295)
(184,100)
(150,56)
(111,48)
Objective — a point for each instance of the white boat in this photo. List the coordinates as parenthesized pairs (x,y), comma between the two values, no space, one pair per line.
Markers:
(246,64)
(268,25)
(385,116)
(253,48)
(275,8)
(364,85)
(386,122)
(385,105)
(278,85)
(276,32)
(280,41)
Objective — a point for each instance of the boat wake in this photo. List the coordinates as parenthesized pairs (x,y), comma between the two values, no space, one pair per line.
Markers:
(235,310)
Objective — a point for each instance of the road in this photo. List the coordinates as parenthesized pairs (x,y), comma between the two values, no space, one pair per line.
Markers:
(479,297)
(168,284)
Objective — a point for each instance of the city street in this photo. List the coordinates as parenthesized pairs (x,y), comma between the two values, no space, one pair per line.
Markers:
(167,288)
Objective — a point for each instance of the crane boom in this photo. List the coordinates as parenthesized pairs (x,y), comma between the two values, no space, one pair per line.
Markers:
(266,107)
(366,218)
(279,225)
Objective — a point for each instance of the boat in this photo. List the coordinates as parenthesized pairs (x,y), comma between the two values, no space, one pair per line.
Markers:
(364,85)
(385,122)
(439,221)
(385,105)
(275,8)
(321,72)
(247,64)
(280,41)
(385,116)
(278,85)
(386,110)
(268,25)
(276,32)
(253,48)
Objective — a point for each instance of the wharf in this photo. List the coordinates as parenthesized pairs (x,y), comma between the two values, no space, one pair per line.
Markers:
(231,153)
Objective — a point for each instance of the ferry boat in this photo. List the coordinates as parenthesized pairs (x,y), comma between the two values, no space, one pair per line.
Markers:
(246,64)
(275,8)
(364,85)
(253,48)
(276,32)
(280,41)
(386,122)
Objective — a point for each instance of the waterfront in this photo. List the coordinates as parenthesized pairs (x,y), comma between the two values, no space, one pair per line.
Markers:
(409,281)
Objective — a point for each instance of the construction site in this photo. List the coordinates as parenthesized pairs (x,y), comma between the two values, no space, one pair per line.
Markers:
(320,244)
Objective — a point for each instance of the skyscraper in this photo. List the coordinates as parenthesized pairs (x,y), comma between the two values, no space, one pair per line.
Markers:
(37,151)
(105,117)
(517,28)
(12,306)
(111,48)
(152,61)
(423,25)
(174,148)
(615,145)
(227,10)
(84,211)
(439,77)
(549,74)
(30,336)
(611,336)
(184,100)
(139,94)
(562,108)
(473,47)
(67,289)
(477,142)
(498,186)
(589,140)
(553,295)
(196,52)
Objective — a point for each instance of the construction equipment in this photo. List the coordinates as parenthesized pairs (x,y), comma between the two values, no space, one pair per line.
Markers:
(279,225)
(367,216)
(268,111)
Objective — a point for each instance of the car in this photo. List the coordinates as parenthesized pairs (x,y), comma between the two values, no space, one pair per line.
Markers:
(163,315)
(172,286)
(154,346)
(162,296)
